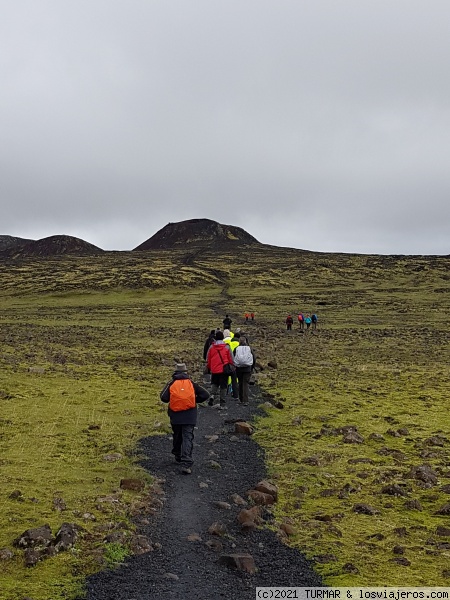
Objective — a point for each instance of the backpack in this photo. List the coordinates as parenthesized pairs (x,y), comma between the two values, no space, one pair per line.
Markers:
(182,395)
(243,356)
(300,317)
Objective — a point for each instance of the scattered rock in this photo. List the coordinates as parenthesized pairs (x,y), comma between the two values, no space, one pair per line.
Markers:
(136,485)
(16,495)
(58,504)
(215,545)
(401,531)
(66,537)
(31,557)
(287,529)
(413,505)
(435,441)
(350,568)
(222,505)
(194,537)
(240,562)
(445,510)
(365,509)
(267,488)
(140,544)
(325,558)
(114,457)
(377,437)
(260,498)
(423,473)
(171,576)
(217,528)
(398,550)
(402,560)
(443,531)
(6,554)
(213,464)
(36,537)
(243,428)
(238,500)
(394,490)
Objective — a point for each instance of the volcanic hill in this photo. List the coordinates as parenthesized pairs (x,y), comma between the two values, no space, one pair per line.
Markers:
(55,245)
(10,242)
(198,233)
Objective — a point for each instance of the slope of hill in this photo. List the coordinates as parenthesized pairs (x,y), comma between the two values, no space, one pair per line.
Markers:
(55,245)
(198,232)
(10,242)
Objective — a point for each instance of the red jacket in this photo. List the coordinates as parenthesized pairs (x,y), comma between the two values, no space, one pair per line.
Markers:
(219,354)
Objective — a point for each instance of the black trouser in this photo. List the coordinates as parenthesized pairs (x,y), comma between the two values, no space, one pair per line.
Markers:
(183,443)
(244,379)
(219,380)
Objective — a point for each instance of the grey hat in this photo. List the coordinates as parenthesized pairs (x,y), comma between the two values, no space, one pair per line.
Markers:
(180,368)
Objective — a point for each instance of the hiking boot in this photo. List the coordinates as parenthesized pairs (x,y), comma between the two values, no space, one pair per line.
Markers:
(186,470)
(178,459)
(211,401)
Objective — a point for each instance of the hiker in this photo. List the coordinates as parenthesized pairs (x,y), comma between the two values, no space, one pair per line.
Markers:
(314,319)
(182,395)
(220,363)
(227,322)
(301,320)
(252,316)
(232,386)
(227,335)
(307,321)
(289,322)
(209,341)
(246,316)
(244,359)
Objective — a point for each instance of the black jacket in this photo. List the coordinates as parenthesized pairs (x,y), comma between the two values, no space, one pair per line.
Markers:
(183,417)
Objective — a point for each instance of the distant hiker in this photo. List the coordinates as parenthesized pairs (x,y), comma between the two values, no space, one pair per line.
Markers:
(289,322)
(246,316)
(182,395)
(301,320)
(227,322)
(252,316)
(314,319)
(307,321)
(211,338)
(220,363)
(244,359)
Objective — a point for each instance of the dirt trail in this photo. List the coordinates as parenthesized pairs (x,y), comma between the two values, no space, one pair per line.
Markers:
(182,569)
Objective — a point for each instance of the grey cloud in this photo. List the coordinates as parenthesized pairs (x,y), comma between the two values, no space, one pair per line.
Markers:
(117,118)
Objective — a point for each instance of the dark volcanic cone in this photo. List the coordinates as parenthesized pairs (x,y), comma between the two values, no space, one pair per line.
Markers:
(56,245)
(9,242)
(197,232)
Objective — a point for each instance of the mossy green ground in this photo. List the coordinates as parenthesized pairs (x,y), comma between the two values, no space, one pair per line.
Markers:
(88,343)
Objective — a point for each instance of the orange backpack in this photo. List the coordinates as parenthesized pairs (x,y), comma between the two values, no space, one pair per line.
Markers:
(182,395)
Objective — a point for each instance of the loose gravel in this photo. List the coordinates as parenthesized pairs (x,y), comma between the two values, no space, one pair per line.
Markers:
(182,569)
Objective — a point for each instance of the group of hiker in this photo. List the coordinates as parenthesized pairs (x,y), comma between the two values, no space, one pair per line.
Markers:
(304,321)
(230,361)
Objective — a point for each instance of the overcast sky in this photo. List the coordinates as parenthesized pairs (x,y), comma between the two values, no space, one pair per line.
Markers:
(318,124)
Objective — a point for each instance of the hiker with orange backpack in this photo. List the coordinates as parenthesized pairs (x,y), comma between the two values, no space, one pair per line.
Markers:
(289,322)
(182,395)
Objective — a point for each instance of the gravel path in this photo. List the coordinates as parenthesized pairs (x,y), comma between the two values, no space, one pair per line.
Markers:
(183,569)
